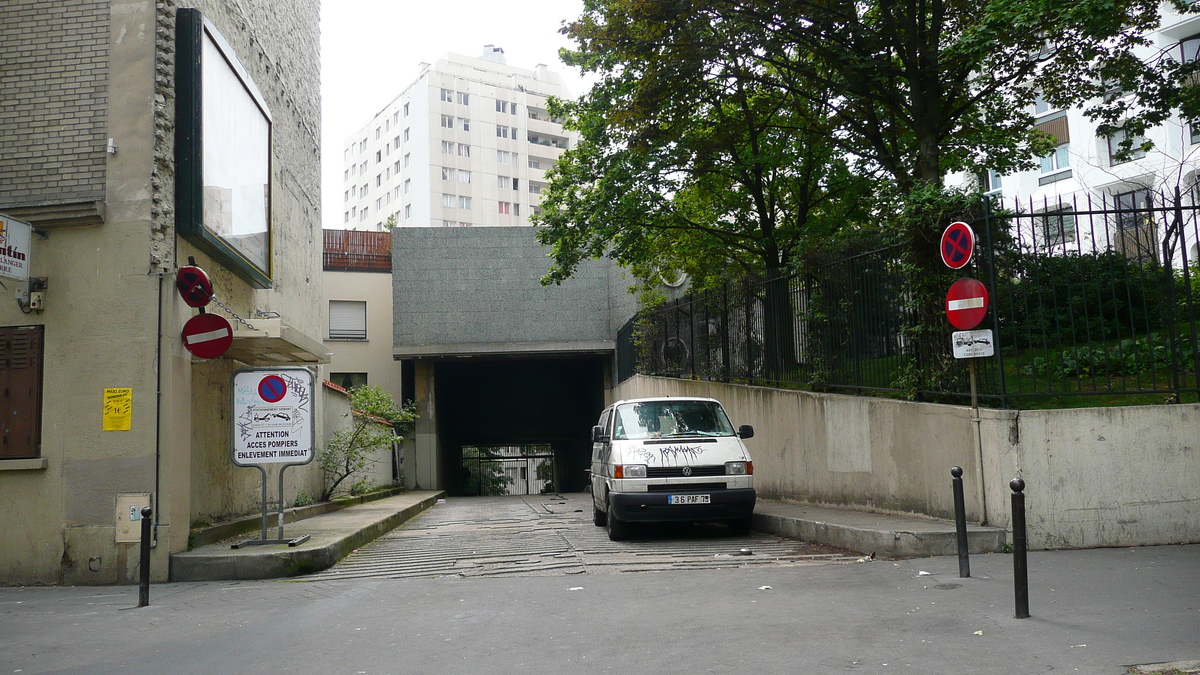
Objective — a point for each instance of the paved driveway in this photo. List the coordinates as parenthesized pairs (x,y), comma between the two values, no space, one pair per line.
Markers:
(542,535)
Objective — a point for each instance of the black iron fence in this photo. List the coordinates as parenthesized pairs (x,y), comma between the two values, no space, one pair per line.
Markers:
(508,470)
(1088,297)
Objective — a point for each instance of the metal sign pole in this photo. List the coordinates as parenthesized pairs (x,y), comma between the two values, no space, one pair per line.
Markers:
(979,483)
(278,540)
(264,500)
(281,470)
(974,389)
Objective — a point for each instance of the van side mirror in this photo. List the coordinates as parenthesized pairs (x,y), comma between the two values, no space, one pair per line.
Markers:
(598,435)
(746,431)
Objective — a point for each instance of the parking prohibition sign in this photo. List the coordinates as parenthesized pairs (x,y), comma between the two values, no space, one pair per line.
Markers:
(272,389)
(957,245)
(194,286)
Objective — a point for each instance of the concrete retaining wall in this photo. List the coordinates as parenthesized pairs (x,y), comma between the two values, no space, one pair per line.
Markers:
(1121,476)
(1095,476)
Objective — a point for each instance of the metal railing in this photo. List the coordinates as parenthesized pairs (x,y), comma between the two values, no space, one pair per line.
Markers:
(1089,297)
(357,251)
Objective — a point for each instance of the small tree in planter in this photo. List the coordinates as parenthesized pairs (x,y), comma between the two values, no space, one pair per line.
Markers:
(376,421)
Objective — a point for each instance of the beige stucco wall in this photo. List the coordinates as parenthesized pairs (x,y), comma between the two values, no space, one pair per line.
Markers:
(1121,476)
(113,319)
(374,355)
(101,323)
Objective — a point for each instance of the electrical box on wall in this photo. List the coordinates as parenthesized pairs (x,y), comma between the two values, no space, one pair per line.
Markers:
(129,516)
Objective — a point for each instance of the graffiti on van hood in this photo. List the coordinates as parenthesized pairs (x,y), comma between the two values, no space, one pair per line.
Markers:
(672,453)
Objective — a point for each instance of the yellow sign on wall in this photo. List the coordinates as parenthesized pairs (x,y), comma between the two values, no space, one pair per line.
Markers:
(118,409)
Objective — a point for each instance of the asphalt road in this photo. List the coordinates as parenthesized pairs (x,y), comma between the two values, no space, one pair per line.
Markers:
(554,535)
(1095,611)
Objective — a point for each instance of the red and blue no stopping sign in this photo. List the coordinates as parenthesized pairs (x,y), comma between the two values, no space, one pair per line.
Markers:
(957,245)
(272,389)
(194,286)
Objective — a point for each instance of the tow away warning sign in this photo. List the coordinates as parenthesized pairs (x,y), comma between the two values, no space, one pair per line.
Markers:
(272,416)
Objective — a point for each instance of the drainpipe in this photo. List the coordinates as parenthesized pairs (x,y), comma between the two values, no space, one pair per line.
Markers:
(158,413)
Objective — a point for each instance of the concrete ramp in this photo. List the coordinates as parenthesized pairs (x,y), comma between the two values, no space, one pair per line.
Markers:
(332,537)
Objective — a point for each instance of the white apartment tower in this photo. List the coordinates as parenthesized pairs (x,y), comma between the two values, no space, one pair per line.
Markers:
(467,144)
(1085,171)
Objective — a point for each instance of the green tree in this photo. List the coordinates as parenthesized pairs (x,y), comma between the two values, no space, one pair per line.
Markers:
(712,175)
(917,87)
(375,421)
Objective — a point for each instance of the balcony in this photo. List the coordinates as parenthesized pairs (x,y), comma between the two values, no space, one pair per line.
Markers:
(354,251)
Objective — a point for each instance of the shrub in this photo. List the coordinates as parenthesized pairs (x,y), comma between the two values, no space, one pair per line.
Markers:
(376,421)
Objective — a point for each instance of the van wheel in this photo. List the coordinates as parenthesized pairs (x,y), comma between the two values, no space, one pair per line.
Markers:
(741,526)
(618,530)
(598,517)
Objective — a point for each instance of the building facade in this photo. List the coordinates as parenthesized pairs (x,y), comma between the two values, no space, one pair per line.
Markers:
(1087,172)
(466,144)
(358,297)
(109,151)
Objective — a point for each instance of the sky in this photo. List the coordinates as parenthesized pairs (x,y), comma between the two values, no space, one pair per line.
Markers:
(370,50)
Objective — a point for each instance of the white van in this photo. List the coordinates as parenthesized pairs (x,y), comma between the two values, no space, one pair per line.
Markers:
(670,459)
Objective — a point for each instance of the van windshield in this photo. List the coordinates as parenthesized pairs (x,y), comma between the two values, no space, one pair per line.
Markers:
(670,419)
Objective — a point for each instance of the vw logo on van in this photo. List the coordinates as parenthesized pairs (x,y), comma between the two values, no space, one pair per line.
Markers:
(687,470)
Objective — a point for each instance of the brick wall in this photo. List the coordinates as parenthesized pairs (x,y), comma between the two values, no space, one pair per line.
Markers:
(53,97)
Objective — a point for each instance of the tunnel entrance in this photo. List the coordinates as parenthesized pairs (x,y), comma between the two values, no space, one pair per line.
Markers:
(504,415)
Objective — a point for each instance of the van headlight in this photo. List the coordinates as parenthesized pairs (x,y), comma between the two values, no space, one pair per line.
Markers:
(630,471)
(739,468)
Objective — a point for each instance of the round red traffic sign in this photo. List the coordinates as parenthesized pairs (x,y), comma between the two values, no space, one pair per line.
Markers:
(272,388)
(207,335)
(957,245)
(966,303)
(194,286)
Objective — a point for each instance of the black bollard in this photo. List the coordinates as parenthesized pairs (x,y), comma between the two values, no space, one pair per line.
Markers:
(1020,562)
(144,586)
(960,523)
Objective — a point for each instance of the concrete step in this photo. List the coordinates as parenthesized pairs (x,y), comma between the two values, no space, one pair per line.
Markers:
(331,537)
(887,535)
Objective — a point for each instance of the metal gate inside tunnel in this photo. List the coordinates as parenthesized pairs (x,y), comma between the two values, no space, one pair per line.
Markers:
(508,470)
(517,425)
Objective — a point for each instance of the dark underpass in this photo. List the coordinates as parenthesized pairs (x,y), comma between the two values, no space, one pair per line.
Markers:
(517,426)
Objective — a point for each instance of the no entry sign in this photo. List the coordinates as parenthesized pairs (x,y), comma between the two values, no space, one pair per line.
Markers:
(207,335)
(966,303)
(272,416)
(957,245)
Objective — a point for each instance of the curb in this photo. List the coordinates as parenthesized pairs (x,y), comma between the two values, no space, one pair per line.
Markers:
(887,543)
(288,562)
(247,524)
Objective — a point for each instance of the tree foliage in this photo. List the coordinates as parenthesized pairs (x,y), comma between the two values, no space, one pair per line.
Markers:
(914,88)
(684,163)
(375,421)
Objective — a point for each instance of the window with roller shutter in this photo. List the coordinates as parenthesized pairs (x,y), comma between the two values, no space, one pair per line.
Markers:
(21,382)
(347,320)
